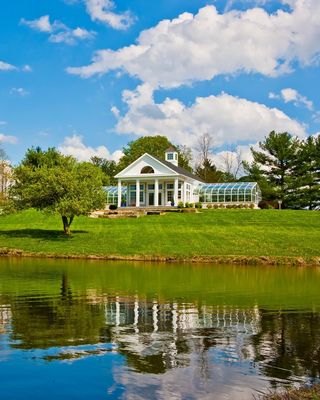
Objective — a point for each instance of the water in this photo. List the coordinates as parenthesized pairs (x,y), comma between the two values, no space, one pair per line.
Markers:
(96,330)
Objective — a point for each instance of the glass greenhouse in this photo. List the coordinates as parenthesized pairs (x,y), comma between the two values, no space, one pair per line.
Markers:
(232,192)
(112,194)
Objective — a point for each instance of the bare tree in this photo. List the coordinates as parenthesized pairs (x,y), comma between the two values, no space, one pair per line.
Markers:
(204,147)
(232,160)
(5,174)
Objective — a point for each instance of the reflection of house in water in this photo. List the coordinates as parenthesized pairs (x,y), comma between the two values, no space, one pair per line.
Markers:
(160,335)
(5,318)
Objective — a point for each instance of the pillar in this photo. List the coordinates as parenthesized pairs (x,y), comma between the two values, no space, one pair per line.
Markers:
(175,193)
(156,192)
(137,193)
(119,193)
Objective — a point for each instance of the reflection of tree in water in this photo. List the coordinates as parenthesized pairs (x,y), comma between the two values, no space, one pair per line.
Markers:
(288,345)
(43,322)
(155,335)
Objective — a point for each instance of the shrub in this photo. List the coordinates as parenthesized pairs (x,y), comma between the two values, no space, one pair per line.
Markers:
(198,205)
(113,207)
(209,206)
(180,204)
(252,206)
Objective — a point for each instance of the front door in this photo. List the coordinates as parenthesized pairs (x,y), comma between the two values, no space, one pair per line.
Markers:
(151,199)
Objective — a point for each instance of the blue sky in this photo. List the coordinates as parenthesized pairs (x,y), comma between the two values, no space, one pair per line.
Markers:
(87,76)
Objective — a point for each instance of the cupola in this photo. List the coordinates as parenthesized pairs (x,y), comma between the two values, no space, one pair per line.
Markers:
(172,155)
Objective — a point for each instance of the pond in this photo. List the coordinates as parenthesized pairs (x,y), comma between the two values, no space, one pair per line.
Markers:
(98,330)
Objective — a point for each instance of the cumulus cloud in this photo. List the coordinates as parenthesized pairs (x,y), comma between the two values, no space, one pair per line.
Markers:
(229,119)
(8,139)
(202,46)
(58,32)
(4,66)
(292,95)
(41,24)
(101,10)
(289,95)
(74,146)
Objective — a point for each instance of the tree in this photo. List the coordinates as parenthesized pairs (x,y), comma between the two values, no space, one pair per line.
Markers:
(305,182)
(209,172)
(254,173)
(5,182)
(154,145)
(277,160)
(52,182)
(109,169)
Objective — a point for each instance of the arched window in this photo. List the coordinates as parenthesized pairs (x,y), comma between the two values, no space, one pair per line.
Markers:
(147,170)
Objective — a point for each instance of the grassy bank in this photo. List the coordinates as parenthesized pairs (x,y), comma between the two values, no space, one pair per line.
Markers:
(312,393)
(213,233)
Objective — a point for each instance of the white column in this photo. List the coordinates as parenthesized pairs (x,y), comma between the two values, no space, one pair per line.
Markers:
(184,199)
(119,193)
(137,193)
(156,192)
(128,194)
(175,193)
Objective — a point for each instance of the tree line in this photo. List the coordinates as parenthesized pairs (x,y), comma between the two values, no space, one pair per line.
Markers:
(287,169)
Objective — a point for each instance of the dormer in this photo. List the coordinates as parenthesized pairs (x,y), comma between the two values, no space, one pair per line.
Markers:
(172,155)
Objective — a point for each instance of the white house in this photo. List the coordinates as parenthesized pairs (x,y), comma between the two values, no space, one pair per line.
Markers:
(151,181)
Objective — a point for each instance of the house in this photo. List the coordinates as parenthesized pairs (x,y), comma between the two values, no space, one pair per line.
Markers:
(151,181)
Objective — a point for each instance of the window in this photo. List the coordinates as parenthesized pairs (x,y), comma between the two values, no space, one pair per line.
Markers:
(147,170)
(170,195)
(150,187)
(160,186)
(169,156)
(170,186)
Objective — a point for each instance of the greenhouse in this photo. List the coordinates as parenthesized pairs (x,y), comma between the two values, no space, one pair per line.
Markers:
(232,192)
(112,194)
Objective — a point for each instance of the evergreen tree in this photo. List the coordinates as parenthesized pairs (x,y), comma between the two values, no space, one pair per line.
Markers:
(305,181)
(277,160)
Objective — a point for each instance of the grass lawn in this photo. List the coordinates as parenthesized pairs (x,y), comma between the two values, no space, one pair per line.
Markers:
(269,233)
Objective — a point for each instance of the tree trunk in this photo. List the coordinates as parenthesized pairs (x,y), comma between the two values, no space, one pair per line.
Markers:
(66,224)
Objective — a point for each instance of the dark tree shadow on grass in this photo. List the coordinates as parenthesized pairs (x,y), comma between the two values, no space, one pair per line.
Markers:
(45,234)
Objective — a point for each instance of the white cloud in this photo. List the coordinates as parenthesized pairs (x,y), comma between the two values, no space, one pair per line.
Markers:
(101,10)
(59,32)
(6,67)
(229,119)
(115,111)
(8,139)
(273,96)
(292,95)
(202,46)
(41,24)
(74,146)
(19,91)
(27,68)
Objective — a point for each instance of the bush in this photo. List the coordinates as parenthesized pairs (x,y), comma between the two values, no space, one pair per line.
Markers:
(198,205)
(113,207)
(180,204)
(209,206)
(252,206)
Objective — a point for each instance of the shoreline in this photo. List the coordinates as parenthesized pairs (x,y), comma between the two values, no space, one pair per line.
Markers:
(236,259)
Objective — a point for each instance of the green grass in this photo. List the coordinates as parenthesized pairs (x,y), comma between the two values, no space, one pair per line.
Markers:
(269,233)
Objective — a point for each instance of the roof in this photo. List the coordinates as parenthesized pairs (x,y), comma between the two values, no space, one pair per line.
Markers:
(226,187)
(171,149)
(179,170)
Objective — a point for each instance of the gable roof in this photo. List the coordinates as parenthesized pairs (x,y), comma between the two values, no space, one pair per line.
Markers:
(179,170)
(171,149)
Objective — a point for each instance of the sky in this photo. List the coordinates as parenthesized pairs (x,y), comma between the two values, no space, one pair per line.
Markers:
(88,76)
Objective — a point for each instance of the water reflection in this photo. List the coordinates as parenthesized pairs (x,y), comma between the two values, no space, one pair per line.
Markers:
(169,346)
